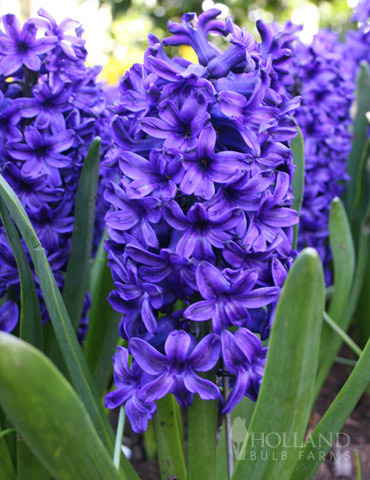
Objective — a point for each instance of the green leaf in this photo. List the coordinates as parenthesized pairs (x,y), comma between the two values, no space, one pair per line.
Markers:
(77,367)
(7,471)
(72,354)
(30,328)
(355,193)
(358,465)
(344,265)
(168,440)
(28,466)
(363,308)
(297,148)
(202,431)
(103,334)
(77,276)
(332,422)
(49,415)
(341,333)
(284,400)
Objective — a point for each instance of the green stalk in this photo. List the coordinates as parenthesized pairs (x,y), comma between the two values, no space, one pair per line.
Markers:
(346,338)
(168,440)
(119,437)
(202,430)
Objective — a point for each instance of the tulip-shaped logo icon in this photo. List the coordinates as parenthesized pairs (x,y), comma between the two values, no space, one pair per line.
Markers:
(238,435)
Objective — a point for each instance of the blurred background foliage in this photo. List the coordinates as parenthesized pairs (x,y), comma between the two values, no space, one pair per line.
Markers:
(133,19)
(116,30)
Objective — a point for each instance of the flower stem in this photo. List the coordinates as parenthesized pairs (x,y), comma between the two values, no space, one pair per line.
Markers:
(168,440)
(229,442)
(119,436)
(202,431)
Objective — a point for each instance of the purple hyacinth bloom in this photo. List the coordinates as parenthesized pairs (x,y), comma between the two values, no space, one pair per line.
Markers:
(65,41)
(179,127)
(33,191)
(200,219)
(51,223)
(150,177)
(128,382)
(8,316)
(174,371)
(21,47)
(135,215)
(47,105)
(227,297)
(204,167)
(42,154)
(201,230)
(245,358)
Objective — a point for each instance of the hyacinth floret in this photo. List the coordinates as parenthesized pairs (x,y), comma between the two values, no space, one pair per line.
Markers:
(201,222)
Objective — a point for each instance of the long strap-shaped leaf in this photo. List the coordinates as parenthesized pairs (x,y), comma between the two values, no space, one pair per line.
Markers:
(7,471)
(168,440)
(30,318)
(297,148)
(30,330)
(103,333)
(77,276)
(77,367)
(334,419)
(344,265)
(49,414)
(356,161)
(284,401)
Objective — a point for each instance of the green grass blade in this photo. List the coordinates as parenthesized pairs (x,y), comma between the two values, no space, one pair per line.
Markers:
(168,440)
(356,159)
(77,276)
(346,338)
(283,406)
(358,465)
(30,328)
(49,415)
(332,422)
(297,148)
(344,266)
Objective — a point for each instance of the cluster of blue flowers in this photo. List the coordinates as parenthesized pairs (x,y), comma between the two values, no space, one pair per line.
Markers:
(51,108)
(200,223)
(322,75)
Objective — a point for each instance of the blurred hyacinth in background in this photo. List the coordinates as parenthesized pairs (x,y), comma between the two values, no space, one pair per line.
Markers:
(52,107)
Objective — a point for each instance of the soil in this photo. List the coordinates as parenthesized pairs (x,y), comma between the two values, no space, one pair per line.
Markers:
(357,429)
(340,464)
